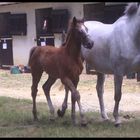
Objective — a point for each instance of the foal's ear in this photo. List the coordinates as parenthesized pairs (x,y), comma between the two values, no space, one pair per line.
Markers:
(74,21)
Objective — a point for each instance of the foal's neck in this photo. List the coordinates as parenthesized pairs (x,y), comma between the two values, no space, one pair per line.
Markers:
(73,46)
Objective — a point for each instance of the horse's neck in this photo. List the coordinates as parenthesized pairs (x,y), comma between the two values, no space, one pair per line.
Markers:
(137,28)
(72,46)
(130,28)
(134,29)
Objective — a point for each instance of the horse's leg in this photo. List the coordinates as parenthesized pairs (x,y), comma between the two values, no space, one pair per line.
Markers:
(46,88)
(118,79)
(67,82)
(83,120)
(75,96)
(64,105)
(36,75)
(100,92)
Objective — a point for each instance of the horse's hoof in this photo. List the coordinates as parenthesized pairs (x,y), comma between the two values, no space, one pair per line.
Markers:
(105,120)
(84,124)
(117,124)
(36,119)
(74,124)
(60,113)
(52,120)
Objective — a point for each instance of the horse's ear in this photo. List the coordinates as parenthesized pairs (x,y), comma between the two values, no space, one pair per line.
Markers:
(82,20)
(131,9)
(74,21)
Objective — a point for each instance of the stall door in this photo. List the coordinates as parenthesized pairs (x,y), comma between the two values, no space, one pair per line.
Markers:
(94,11)
(113,12)
(44,35)
(6,50)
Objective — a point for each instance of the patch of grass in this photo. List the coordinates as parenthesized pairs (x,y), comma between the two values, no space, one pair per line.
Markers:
(16,120)
(18,81)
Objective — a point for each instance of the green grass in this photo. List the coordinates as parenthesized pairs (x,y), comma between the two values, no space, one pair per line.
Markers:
(16,120)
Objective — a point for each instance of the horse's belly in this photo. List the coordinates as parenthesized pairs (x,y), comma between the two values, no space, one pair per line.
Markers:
(102,67)
(98,61)
(100,64)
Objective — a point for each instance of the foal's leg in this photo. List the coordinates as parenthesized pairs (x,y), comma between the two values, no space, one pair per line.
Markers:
(64,105)
(118,79)
(46,88)
(36,75)
(68,83)
(75,97)
(100,92)
(83,121)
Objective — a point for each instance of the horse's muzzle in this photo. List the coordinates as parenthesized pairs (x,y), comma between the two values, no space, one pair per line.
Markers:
(89,45)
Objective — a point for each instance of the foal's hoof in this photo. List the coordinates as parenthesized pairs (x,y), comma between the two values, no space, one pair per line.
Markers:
(52,118)
(60,113)
(36,119)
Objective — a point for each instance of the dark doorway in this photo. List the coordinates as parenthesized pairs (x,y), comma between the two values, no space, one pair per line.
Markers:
(45,35)
(6,51)
(94,11)
(6,48)
(113,12)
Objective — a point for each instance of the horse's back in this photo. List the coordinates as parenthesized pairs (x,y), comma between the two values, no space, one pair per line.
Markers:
(39,54)
(97,27)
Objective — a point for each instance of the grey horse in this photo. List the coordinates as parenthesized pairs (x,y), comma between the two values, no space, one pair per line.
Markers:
(116,51)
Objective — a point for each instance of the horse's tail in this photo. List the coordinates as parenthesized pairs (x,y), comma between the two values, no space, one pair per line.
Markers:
(30,55)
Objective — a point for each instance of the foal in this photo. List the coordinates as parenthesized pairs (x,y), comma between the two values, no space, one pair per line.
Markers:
(64,63)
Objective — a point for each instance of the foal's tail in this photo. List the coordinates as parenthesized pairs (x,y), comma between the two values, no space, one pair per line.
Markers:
(30,55)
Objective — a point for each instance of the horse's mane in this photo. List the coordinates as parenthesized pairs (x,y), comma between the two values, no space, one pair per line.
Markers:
(71,26)
(67,43)
(131,9)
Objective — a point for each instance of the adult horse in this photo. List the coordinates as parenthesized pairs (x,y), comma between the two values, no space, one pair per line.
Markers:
(118,46)
(64,63)
(116,51)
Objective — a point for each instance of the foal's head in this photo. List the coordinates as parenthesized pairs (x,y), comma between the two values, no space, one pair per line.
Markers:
(79,32)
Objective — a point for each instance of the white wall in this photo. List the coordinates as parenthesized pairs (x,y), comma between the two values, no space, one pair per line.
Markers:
(23,44)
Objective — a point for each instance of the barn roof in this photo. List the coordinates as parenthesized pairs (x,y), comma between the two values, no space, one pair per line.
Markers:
(8,3)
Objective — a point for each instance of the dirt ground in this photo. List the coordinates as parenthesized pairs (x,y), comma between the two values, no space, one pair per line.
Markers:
(130,100)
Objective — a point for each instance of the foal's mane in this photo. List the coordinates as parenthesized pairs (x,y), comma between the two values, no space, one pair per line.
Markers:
(72,49)
(131,9)
(72,27)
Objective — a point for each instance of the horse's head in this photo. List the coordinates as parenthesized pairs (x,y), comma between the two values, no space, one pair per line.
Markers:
(132,12)
(81,33)
(133,9)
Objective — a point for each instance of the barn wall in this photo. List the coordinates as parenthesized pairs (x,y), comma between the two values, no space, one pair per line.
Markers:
(22,44)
